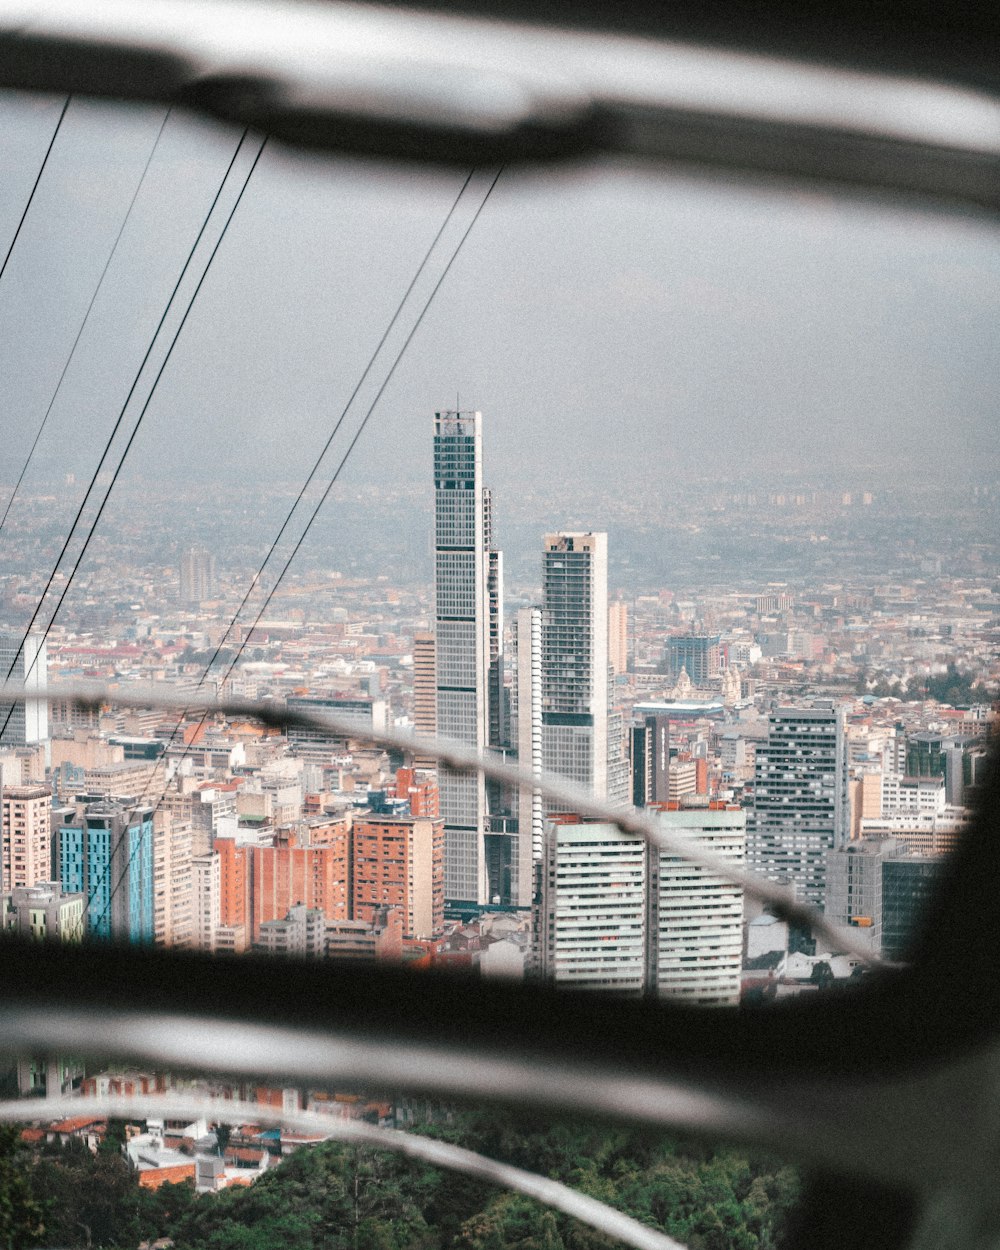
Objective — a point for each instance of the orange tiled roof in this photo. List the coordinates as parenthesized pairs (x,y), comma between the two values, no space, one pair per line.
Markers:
(76,1123)
(153,1178)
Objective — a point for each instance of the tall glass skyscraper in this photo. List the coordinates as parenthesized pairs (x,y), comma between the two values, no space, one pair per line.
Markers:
(462,566)
(581,732)
(575,658)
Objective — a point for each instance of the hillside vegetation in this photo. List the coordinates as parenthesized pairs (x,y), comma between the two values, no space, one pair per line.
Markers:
(334,1197)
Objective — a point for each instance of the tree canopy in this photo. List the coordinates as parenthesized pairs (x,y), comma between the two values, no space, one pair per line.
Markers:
(335,1197)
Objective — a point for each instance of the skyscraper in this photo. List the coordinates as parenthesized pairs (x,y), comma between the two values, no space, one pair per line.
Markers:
(801,810)
(462,643)
(27,665)
(649,749)
(424,695)
(496,694)
(581,733)
(508,879)
(528,712)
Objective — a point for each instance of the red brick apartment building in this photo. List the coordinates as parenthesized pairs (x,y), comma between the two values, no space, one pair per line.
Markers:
(398,861)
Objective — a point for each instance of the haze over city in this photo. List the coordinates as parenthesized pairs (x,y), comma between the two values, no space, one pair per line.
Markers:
(680,490)
(619,328)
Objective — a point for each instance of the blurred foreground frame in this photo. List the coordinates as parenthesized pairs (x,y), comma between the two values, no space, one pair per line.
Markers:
(885,1091)
(891,99)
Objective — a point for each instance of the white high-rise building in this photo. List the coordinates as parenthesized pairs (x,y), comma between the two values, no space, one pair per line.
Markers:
(462,642)
(695,920)
(581,734)
(24,723)
(801,810)
(206,899)
(592,907)
(618,636)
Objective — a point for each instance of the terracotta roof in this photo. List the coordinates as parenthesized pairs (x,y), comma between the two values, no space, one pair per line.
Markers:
(76,1123)
(153,1178)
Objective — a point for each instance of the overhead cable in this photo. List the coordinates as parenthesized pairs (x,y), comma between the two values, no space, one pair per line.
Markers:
(340,466)
(142,413)
(34,187)
(361,428)
(86,316)
(339,422)
(298,499)
(108,444)
(124,455)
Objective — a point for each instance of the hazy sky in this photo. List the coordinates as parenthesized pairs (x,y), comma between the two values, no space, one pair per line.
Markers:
(612,325)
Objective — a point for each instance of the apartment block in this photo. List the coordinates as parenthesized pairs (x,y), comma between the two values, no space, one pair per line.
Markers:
(205,891)
(44,911)
(284,876)
(301,934)
(424,695)
(695,918)
(105,852)
(26,831)
(399,862)
(801,810)
(593,907)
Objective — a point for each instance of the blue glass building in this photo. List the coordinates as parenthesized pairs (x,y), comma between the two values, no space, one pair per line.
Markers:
(105,852)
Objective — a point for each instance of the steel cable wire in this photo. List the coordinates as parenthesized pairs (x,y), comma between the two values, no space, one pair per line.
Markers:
(34,188)
(361,428)
(336,428)
(108,444)
(86,318)
(145,407)
(318,462)
(399,355)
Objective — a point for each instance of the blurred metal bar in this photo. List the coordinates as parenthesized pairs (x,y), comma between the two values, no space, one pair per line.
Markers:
(459,87)
(328,1026)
